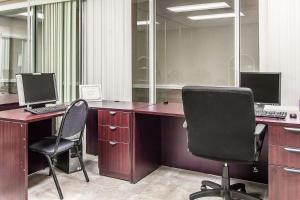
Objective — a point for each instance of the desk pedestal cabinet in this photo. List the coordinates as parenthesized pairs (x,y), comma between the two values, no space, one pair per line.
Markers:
(284,163)
(115,143)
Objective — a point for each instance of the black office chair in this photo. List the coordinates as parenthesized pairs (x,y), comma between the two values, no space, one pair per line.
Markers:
(221,126)
(69,136)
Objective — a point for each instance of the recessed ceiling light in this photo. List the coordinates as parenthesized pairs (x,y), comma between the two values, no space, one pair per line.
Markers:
(143,23)
(214,16)
(195,7)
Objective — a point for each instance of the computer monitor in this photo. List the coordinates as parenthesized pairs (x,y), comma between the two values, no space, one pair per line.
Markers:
(36,88)
(265,86)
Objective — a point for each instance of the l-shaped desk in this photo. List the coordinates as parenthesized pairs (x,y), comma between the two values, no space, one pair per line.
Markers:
(134,139)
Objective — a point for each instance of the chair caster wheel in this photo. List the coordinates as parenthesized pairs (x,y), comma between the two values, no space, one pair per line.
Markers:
(203,188)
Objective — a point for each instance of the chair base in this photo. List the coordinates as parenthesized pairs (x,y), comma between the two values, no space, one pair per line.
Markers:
(226,191)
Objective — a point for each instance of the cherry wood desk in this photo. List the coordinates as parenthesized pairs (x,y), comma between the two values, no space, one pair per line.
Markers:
(9,101)
(18,129)
(134,139)
(156,137)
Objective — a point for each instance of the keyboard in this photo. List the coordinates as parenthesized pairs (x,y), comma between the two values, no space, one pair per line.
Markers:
(44,110)
(271,114)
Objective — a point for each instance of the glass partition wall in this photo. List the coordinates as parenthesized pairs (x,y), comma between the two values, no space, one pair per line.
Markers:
(140,50)
(14,43)
(41,36)
(193,42)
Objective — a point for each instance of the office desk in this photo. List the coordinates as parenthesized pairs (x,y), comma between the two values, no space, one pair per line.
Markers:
(9,101)
(18,129)
(158,138)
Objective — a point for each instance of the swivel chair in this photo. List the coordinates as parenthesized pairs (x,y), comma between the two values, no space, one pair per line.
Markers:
(221,126)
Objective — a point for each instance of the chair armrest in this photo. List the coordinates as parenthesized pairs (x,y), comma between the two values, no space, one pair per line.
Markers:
(184,125)
(260,129)
(259,134)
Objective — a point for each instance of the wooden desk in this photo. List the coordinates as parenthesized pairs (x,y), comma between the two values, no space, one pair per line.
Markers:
(158,138)
(280,159)
(9,101)
(18,129)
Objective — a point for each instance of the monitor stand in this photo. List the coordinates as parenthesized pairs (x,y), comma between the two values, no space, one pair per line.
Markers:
(28,107)
(259,106)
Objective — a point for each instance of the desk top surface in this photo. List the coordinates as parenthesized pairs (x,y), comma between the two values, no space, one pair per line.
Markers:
(176,110)
(20,115)
(117,105)
(8,99)
(170,109)
(161,109)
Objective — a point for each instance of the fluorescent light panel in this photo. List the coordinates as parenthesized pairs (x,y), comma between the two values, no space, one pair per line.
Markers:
(195,7)
(143,23)
(214,16)
(39,15)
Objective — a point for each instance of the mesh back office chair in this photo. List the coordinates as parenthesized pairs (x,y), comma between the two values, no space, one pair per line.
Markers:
(221,126)
(69,136)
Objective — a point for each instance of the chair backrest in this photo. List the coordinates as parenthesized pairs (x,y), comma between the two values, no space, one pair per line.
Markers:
(220,122)
(73,122)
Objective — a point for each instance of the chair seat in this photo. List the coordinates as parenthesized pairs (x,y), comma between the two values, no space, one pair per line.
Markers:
(46,145)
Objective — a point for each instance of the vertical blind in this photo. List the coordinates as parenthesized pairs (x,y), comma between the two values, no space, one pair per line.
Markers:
(59,35)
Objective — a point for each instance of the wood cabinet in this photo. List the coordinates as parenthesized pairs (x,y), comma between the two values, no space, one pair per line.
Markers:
(114,137)
(284,163)
(284,183)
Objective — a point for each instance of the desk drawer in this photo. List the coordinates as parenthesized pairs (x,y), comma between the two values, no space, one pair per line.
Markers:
(114,157)
(284,183)
(284,136)
(284,156)
(114,118)
(114,133)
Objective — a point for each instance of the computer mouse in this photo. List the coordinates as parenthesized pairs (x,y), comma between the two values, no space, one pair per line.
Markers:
(166,102)
(293,115)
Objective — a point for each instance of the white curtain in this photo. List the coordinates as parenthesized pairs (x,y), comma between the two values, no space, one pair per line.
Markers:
(59,36)
(108,47)
(280,45)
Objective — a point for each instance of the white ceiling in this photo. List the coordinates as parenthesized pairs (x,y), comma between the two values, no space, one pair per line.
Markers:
(173,20)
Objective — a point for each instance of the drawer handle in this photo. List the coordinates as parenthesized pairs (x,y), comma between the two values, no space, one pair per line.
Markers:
(113,128)
(112,113)
(297,171)
(292,129)
(294,150)
(112,143)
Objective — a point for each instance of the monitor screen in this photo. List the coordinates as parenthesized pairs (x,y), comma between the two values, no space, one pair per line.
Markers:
(265,86)
(36,88)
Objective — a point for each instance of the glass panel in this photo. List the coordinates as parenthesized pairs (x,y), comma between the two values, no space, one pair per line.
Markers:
(195,45)
(14,57)
(56,43)
(140,50)
(250,36)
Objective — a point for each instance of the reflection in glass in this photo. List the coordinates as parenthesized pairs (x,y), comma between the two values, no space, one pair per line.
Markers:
(194,47)
(14,56)
(140,50)
(250,36)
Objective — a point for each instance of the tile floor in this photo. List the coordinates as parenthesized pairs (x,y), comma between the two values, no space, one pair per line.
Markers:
(164,183)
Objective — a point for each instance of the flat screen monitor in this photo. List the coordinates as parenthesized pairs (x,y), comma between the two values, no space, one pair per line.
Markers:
(266,87)
(36,88)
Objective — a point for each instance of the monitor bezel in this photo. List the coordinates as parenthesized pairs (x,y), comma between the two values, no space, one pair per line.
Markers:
(21,94)
(265,73)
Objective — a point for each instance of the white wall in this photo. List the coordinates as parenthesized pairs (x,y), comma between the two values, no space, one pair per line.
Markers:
(13,27)
(203,55)
(280,45)
(108,47)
